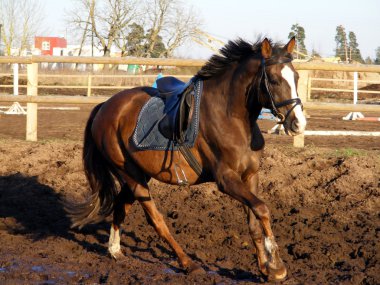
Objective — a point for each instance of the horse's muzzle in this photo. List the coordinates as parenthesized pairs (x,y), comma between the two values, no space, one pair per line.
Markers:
(295,127)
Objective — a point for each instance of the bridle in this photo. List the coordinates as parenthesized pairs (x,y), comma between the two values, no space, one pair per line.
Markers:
(274,105)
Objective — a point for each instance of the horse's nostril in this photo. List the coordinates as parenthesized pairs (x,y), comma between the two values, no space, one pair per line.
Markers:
(295,126)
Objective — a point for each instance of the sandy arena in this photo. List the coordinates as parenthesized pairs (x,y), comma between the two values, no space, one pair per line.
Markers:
(324,198)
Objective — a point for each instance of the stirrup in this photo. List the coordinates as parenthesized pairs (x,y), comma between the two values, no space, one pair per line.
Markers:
(181,176)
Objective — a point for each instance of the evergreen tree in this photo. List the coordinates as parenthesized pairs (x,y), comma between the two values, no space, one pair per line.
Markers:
(135,40)
(347,50)
(368,60)
(159,49)
(138,43)
(298,32)
(353,48)
(341,43)
(377,60)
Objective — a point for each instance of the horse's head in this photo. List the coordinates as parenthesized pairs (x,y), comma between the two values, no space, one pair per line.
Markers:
(278,86)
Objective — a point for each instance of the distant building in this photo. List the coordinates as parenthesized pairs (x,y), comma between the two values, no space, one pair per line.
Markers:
(50,45)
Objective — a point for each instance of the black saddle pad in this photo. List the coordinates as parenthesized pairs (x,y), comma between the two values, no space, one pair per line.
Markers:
(147,135)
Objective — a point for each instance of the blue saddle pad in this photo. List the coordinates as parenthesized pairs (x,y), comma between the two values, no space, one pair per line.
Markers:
(147,135)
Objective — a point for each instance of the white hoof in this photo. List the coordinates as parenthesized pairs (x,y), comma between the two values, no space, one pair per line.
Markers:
(114,244)
(117,255)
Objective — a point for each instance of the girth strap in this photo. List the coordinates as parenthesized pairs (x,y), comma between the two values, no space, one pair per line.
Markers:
(191,160)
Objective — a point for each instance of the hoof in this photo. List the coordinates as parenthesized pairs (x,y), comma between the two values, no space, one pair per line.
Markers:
(278,273)
(195,269)
(118,255)
(263,269)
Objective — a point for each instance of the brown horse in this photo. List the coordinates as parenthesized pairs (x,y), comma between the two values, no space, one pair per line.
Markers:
(236,85)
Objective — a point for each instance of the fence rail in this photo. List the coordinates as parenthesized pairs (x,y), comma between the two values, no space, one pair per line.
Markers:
(343,90)
(32,83)
(175,62)
(87,83)
(99,99)
(102,60)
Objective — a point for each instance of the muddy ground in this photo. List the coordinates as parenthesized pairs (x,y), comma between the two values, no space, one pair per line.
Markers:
(325,203)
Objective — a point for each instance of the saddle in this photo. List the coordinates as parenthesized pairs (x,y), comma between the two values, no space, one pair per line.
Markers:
(178,97)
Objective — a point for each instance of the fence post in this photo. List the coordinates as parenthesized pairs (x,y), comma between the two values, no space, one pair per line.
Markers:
(89,82)
(355,87)
(303,91)
(32,90)
(15,79)
(309,87)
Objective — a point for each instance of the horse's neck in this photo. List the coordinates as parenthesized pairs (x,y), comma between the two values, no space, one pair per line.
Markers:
(227,102)
(231,95)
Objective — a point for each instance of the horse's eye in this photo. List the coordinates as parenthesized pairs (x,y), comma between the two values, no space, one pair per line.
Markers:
(274,81)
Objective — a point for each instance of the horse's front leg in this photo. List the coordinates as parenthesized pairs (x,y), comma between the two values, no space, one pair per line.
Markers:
(251,180)
(270,263)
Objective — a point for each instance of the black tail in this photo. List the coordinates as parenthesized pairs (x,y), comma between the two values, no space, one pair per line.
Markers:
(103,189)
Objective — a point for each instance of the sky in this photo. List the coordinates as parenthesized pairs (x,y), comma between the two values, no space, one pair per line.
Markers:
(228,20)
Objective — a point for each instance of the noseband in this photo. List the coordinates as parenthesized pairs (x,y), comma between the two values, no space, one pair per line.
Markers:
(274,105)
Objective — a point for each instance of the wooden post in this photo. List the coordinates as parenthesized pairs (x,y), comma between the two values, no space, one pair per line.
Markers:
(303,90)
(299,140)
(308,88)
(15,79)
(32,90)
(303,84)
(89,82)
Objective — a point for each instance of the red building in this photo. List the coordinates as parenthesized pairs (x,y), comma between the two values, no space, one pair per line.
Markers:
(47,44)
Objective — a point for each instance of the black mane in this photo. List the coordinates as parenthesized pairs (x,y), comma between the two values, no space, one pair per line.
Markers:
(233,51)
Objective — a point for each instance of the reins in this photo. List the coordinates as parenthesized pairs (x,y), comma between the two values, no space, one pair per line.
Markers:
(274,105)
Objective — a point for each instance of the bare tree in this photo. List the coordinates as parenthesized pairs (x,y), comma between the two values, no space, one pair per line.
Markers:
(161,26)
(21,20)
(78,19)
(170,21)
(104,18)
(181,29)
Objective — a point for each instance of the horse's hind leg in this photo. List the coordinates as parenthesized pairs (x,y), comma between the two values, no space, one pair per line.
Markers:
(123,204)
(156,219)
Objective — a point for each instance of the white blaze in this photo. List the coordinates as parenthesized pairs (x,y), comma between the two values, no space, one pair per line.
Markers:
(288,75)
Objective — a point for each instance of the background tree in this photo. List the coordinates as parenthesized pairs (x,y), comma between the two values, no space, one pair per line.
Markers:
(315,54)
(134,44)
(298,32)
(377,59)
(354,48)
(151,28)
(170,22)
(368,60)
(341,49)
(1,45)
(21,21)
(103,20)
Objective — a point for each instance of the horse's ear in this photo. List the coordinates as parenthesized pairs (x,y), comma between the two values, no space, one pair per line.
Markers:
(266,48)
(290,45)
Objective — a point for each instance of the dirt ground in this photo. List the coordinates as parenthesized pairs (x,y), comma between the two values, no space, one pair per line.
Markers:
(324,198)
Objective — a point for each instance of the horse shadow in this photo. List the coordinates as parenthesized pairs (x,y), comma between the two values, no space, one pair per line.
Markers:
(28,207)
(31,208)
